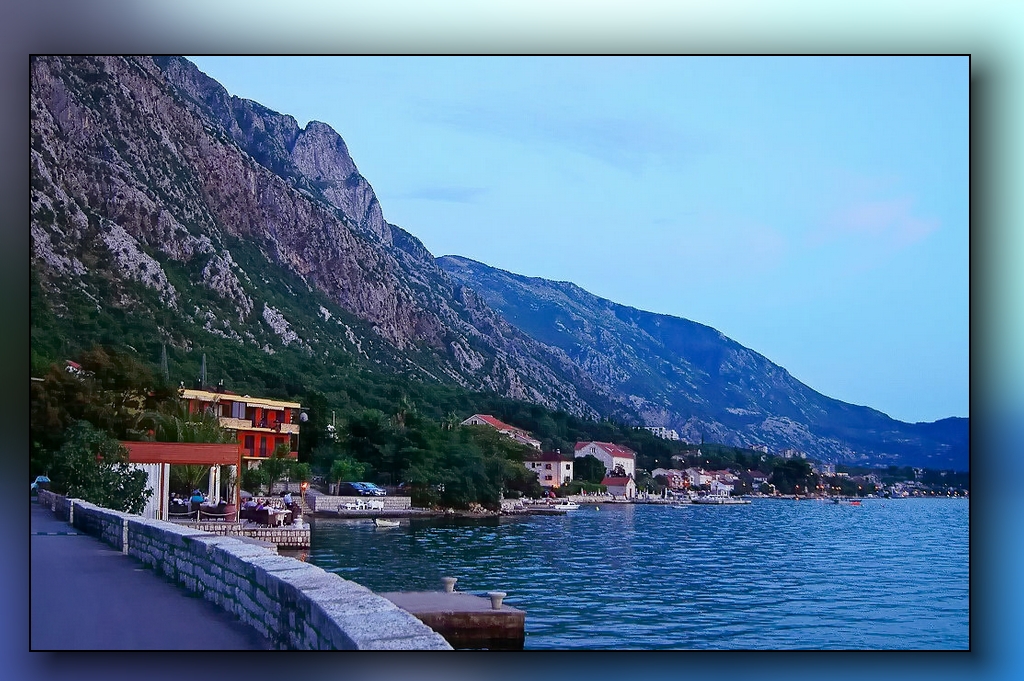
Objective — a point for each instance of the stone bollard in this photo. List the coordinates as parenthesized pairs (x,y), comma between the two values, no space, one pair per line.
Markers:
(449,583)
(496,597)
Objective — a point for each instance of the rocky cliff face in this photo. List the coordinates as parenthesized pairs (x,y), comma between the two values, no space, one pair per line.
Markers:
(689,377)
(148,175)
(157,195)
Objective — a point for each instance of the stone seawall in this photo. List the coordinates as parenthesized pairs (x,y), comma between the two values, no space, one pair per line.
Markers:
(321,503)
(285,537)
(297,606)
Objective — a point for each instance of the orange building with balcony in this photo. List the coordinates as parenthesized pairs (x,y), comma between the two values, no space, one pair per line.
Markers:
(259,424)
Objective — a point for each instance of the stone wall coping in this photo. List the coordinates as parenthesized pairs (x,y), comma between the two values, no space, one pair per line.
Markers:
(295,604)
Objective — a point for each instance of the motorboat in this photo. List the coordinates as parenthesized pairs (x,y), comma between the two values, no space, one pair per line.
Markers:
(381,522)
(566,506)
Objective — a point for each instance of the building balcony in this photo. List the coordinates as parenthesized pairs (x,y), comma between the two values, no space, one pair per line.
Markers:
(259,427)
(252,454)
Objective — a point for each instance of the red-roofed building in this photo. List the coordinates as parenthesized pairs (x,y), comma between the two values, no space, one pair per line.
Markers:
(552,468)
(517,434)
(620,487)
(675,479)
(611,455)
(260,425)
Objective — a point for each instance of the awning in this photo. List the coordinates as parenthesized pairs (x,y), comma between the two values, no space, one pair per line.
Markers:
(272,405)
(182,453)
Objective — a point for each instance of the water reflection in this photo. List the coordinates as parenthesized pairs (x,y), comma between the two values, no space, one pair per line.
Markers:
(769,575)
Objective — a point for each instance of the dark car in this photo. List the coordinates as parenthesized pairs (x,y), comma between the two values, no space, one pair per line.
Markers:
(352,489)
(372,488)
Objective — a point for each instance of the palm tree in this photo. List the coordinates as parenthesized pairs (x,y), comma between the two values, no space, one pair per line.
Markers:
(175,424)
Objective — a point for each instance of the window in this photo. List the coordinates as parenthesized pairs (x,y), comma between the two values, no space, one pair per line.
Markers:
(238,410)
(568,466)
(249,443)
(547,466)
(547,477)
(263,446)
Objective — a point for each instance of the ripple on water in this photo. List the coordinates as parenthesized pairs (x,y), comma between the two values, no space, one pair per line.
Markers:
(769,575)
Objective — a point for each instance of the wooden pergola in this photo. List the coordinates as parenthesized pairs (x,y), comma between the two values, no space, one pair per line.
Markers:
(167,454)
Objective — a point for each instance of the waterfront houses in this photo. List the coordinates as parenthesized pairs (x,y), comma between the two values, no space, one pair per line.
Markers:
(260,425)
(674,479)
(613,456)
(553,469)
(619,486)
(517,434)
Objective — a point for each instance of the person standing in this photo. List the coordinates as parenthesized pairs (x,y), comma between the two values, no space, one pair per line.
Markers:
(196,500)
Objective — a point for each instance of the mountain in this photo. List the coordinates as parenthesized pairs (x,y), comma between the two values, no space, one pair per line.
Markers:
(165,211)
(689,377)
(155,195)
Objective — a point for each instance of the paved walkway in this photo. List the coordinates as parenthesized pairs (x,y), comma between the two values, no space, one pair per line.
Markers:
(87,596)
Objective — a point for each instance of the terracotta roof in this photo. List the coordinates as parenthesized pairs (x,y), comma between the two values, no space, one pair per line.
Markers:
(183,453)
(616,482)
(494,423)
(548,456)
(610,447)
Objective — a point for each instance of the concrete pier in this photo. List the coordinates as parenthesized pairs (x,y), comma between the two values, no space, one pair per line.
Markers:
(464,620)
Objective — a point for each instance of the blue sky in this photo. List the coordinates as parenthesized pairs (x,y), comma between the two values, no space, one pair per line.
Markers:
(812,209)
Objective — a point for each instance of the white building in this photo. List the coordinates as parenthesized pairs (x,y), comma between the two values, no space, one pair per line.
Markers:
(663,432)
(620,487)
(517,434)
(611,455)
(552,468)
(674,477)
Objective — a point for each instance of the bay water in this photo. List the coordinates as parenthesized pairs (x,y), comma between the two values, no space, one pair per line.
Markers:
(774,574)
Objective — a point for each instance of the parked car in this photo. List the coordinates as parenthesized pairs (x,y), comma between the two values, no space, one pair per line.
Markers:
(373,489)
(352,489)
(41,482)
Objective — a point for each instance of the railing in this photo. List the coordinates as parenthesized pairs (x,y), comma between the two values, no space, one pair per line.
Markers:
(262,424)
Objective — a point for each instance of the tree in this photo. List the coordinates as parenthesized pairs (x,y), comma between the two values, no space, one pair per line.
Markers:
(172,422)
(93,466)
(185,478)
(110,390)
(791,474)
(345,468)
(277,465)
(588,469)
(299,470)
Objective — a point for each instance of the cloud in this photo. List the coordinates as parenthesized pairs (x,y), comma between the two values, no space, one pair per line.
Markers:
(449,194)
(890,224)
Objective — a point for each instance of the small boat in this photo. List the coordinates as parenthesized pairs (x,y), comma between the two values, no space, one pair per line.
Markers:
(566,506)
(380,522)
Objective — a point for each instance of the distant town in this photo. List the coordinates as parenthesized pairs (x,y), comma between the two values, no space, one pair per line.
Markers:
(787,472)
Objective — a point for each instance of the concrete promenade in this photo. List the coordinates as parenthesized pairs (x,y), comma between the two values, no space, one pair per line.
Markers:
(87,596)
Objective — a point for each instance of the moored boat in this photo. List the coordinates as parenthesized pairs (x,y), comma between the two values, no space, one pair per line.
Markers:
(381,522)
(566,506)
